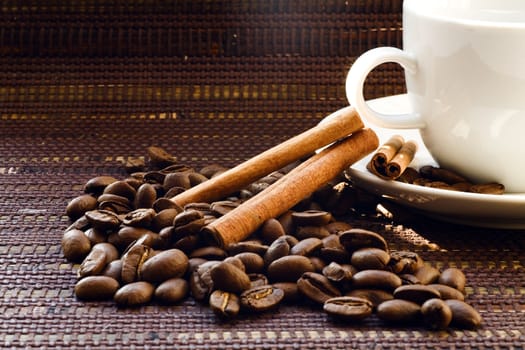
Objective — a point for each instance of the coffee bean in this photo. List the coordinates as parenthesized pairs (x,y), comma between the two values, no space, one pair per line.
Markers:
(176,179)
(448,292)
(463,314)
(212,170)
(159,157)
(306,246)
(78,206)
(436,313)
(399,311)
(417,293)
(290,290)
(375,296)
(201,283)
(97,184)
(338,273)
(253,263)
(317,287)
(224,304)
(134,294)
(96,288)
(95,235)
(132,262)
(129,234)
(311,218)
(304,232)
(404,262)
(141,217)
(221,208)
(172,290)
(171,263)
(261,298)
(370,258)
(253,246)
(229,278)
(427,274)
(209,253)
(276,250)
(376,279)
(257,279)
(408,279)
(121,188)
(113,269)
(100,255)
(146,196)
(289,268)
(454,278)
(164,218)
(236,262)
(357,238)
(271,230)
(336,227)
(75,245)
(348,308)
(103,220)
(164,203)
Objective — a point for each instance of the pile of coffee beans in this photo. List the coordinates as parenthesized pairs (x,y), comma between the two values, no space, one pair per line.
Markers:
(132,245)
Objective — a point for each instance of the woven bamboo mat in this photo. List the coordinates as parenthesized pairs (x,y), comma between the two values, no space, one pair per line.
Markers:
(84,86)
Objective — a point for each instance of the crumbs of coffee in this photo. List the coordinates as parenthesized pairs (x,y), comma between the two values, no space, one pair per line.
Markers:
(134,246)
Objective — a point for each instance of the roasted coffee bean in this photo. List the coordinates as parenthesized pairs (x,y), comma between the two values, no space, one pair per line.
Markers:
(253,263)
(339,255)
(211,170)
(221,208)
(317,287)
(287,222)
(75,245)
(448,292)
(370,258)
(338,273)
(311,218)
(132,262)
(189,222)
(172,290)
(252,246)
(261,298)
(306,246)
(376,279)
(103,220)
(129,234)
(187,244)
(463,314)
(417,293)
(271,230)
(97,184)
(224,304)
(176,179)
(336,227)
(81,223)
(318,263)
(201,284)
(408,279)
(257,279)
(436,313)
(159,157)
(289,268)
(279,248)
(95,235)
(113,269)
(290,290)
(348,308)
(375,296)
(403,262)
(209,253)
(304,232)
(399,311)
(121,188)
(229,278)
(236,262)
(96,288)
(356,238)
(78,206)
(171,263)
(141,217)
(196,178)
(164,203)
(134,294)
(454,278)
(427,274)
(164,218)
(100,255)
(134,164)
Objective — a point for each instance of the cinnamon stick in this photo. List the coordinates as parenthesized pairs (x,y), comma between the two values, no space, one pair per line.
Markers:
(384,154)
(401,160)
(336,126)
(289,190)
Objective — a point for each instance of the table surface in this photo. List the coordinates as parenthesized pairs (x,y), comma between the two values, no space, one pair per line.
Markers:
(71,110)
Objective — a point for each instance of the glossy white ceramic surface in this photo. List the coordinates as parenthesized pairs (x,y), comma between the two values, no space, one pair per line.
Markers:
(482,210)
(465,72)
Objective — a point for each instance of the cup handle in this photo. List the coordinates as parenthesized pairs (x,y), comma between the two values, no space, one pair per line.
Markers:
(355,81)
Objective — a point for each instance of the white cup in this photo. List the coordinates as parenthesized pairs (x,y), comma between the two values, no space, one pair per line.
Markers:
(464,63)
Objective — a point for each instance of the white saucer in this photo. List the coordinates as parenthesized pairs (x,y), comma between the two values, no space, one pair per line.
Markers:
(482,210)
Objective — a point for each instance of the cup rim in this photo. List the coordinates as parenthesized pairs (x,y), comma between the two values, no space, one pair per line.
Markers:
(429,9)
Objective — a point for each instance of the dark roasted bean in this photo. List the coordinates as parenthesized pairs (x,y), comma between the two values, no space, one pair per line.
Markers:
(75,245)
(289,268)
(356,238)
(348,308)
(463,314)
(454,278)
(96,288)
(399,311)
(417,293)
(436,313)
(80,205)
(261,298)
(224,304)
(172,291)
(317,287)
(134,294)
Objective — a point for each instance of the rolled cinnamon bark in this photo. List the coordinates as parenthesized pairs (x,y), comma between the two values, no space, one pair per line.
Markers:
(384,155)
(289,190)
(336,126)
(401,160)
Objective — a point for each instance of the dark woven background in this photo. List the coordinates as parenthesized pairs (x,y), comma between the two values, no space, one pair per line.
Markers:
(85,84)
